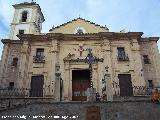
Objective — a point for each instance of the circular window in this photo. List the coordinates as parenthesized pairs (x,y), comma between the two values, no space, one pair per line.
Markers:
(79,30)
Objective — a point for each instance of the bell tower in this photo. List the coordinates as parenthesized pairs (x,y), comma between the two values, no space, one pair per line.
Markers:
(28,19)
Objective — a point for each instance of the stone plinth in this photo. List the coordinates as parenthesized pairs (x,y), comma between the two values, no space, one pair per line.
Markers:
(91,94)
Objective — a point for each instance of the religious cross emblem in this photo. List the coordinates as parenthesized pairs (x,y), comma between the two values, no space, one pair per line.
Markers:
(81,49)
(90,59)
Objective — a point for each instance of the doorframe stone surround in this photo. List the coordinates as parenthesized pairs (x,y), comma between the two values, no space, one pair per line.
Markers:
(72,65)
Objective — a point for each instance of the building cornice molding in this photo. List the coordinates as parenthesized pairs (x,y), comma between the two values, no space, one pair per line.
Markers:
(79,37)
(154,39)
(115,36)
(5,41)
(147,39)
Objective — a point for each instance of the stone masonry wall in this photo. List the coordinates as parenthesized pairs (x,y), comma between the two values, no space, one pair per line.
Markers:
(77,110)
(10,73)
(151,71)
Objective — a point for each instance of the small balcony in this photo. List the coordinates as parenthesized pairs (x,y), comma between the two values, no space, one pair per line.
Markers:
(122,58)
(39,59)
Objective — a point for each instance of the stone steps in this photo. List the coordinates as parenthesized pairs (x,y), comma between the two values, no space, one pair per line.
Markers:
(117,110)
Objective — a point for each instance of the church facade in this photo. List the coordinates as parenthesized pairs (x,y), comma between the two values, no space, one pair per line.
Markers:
(57,63)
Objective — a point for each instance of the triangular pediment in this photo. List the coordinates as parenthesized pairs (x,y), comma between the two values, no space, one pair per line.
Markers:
(78,26)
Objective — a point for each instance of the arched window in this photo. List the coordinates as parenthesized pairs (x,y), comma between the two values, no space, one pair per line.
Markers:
(24,16)
(15,62)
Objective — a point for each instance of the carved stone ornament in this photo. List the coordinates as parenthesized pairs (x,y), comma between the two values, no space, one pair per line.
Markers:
(69,57)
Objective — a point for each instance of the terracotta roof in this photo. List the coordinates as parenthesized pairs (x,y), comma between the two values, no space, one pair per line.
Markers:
(76,20)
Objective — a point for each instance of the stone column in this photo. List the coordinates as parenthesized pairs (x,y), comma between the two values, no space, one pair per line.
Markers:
(91,92)
(57,83)
(107,78)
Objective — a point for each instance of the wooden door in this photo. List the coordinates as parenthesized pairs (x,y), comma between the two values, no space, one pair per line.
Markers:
(80,83)
(37,86)
(125,85)
(93,113)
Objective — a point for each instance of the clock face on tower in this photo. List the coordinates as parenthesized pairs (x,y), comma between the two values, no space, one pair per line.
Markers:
(79,30)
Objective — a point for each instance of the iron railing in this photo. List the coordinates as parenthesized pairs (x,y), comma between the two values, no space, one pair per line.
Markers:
(123,57)
(137,90)
(24,92)
(28,92)
(39,59)
(14,92)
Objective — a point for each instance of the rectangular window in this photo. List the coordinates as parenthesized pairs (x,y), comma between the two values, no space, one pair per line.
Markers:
(21,32)
(146,59)
(39,55)
(121,54)
(39,52)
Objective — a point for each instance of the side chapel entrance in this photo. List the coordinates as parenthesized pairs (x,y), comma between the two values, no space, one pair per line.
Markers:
(125,85)
(80,83)
(37,86)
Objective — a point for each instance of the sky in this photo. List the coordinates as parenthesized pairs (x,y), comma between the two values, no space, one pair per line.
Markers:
(131,15)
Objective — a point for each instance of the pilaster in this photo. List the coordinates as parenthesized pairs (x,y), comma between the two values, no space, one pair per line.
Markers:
(107,58)
(67,83)
(24,64)
(136,64)
(4,63)
(53,56)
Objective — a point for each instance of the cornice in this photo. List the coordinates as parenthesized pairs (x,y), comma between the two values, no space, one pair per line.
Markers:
(121,36)
(5,41)
(148,39)
(79,37)
(154,39)
(25,4)
(135,35)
